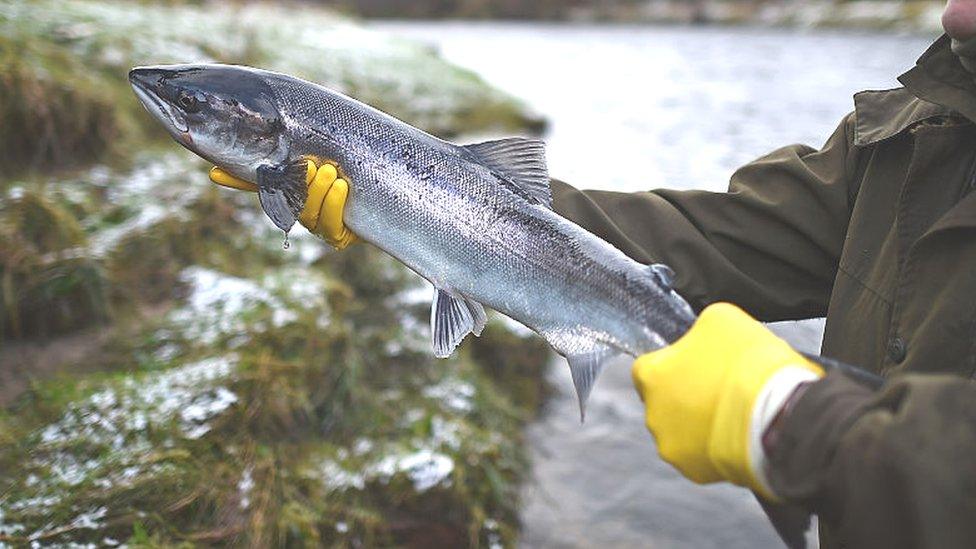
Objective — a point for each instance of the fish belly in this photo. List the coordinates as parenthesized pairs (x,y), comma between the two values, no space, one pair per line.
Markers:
(497,250)
(447,220)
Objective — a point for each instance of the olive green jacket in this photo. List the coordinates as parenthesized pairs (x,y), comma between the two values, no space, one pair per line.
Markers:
(876,231)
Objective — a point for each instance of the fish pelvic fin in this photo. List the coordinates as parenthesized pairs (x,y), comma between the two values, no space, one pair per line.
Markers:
(282,191)
(521,160)
(585,368)
(452,317)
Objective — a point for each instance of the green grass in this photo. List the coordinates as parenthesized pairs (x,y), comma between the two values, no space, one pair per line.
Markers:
(65,100)
(255,414)
(245,395)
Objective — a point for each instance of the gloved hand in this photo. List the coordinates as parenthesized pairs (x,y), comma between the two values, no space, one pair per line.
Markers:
(322,215)
(710,396)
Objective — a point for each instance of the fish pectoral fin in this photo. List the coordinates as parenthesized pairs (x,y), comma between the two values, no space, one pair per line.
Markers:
(521,160)
(282,191)
(585,368)
(451,318)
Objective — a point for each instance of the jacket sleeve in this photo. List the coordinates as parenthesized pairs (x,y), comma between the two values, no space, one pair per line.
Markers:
(770,244)
(892,468)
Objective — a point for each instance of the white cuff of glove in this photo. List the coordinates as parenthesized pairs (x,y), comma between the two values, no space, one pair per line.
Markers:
(771,399)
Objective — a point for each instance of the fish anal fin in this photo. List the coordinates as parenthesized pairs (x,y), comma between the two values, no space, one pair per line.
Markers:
(451,319)
(585,368)
(282,191)
(521,160)
(478,315)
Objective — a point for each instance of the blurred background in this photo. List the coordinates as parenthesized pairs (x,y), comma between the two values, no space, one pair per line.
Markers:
(171,376)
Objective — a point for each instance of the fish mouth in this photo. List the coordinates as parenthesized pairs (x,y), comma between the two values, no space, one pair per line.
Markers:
(143,81)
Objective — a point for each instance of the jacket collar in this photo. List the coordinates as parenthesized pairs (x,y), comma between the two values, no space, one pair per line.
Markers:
(883,114)
(940,78)
(938,85)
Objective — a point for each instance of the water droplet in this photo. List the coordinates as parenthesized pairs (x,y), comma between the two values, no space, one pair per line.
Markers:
(285,244)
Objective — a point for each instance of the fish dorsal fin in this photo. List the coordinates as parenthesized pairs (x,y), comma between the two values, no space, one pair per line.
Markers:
(282,190)
(452,318)
(585,368)
(521,160)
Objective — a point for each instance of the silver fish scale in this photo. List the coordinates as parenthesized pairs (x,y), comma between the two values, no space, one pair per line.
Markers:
(471,231)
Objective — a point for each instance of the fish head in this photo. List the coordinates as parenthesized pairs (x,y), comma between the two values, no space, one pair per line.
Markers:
(224,113)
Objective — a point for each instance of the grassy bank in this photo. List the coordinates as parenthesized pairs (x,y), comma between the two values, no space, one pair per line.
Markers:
(298,407)
(228,391)
(64,98)
(65,103)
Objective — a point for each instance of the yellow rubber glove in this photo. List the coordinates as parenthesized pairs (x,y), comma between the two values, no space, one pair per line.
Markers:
(709,396)
(322,215)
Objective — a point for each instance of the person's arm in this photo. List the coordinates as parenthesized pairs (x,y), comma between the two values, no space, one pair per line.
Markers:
(888,468)
(770,244)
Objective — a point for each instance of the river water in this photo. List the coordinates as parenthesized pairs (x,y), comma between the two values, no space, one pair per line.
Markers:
(634,108)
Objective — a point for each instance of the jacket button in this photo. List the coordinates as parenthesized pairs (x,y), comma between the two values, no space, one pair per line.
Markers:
(897,349)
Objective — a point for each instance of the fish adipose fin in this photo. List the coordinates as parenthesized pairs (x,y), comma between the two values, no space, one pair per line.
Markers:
(585,368)
(521,160)
(452,318)
(663,274)
(282,191)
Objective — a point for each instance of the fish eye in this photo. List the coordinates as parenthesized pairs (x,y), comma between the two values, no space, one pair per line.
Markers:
(188,102)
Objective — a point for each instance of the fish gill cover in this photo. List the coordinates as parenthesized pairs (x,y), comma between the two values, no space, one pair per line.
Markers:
(183,379)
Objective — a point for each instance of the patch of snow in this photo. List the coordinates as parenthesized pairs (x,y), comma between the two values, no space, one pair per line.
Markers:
(494,538)
(446,433)
(118,417)
(425,468)
(15,192)
(6,528)
(204,407)
(216,302)
(362,446)
(89,520)
(159,397)
(337,478)
(39,502)
(413,415)
(167,352)
(104,241)
(455,394)
(245,485)
(155,190)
